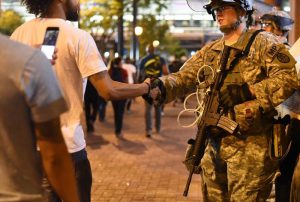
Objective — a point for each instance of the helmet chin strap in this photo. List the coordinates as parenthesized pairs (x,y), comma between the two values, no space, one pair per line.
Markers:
(226,29)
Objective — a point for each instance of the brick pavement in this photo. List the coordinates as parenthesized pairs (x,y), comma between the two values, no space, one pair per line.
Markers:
(138,168)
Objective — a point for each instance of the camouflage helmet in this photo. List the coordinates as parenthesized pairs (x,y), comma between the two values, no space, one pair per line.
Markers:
(246,5)
(278,19)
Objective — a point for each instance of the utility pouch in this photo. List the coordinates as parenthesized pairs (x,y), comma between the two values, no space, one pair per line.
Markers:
(281,138)
(249,117)
(188,162)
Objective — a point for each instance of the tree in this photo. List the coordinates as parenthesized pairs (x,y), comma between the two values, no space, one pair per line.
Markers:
(9,21)
(99,17)
(158,30)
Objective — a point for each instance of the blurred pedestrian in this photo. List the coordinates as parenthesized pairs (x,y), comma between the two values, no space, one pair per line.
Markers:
(131,72)
(29,114)
(174,67)
(91,106)
(78,60)
(152,65)
(101,108)
(117,73)
(280,23)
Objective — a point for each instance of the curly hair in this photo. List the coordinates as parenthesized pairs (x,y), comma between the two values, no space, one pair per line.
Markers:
(37,7)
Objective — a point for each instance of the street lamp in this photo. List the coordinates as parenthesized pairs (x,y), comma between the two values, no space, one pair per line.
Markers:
(134,36)
(138,30)
(155,43)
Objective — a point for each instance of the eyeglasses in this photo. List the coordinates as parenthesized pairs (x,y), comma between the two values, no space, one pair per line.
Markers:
(266,25)
(221,9)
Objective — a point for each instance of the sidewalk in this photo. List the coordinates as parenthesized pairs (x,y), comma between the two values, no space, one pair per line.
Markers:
(138,168)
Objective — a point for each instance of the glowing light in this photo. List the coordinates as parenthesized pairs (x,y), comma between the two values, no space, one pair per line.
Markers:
(155,43)
(106,54)
(138,30)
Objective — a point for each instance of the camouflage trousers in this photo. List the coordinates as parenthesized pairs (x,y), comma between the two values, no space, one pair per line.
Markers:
(236,170)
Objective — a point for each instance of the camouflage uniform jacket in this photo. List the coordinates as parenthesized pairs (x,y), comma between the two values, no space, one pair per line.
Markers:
(269,69)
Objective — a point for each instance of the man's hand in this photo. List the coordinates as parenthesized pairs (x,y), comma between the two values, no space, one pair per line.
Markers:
(54,56)
(147,96)
(249,116)
(235,94)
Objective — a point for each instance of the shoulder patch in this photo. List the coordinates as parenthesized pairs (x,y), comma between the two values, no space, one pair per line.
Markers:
(273,50)
(283,58)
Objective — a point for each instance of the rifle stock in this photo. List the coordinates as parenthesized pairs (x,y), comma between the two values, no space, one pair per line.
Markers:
(210,117)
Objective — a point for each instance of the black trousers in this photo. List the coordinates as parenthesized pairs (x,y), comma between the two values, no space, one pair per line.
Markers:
(102,108)
(83,174)
(119,107)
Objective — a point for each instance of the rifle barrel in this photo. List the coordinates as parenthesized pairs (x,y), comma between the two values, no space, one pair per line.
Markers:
(187,185)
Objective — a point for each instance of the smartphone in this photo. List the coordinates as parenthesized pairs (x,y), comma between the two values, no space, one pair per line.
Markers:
(49,42)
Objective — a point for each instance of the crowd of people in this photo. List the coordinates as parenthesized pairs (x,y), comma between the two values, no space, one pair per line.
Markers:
(259,90)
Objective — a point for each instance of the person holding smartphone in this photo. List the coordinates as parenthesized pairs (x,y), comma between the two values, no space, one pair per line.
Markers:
(78,60)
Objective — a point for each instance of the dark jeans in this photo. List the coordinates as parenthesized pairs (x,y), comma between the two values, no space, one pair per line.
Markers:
(148,117)
(287,165)
(128,104)
(91,109)
(91,102)
(102,108)
(83,174)
(90,106)
(119,107)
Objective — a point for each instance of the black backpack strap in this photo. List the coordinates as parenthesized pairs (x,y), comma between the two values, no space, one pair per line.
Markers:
(246,51)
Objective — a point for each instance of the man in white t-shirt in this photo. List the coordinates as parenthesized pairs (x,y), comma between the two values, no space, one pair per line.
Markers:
(78,60)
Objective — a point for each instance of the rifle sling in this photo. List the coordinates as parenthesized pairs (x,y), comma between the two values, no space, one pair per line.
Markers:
(244,52)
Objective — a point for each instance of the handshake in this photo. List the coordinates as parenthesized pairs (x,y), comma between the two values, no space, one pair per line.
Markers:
(156,91)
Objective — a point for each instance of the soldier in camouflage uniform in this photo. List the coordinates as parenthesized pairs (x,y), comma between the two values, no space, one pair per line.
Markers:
(280,23)
(235,168)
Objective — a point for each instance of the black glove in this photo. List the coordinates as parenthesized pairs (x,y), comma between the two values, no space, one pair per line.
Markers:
(156,82)
(160,99)
(147,96)
(234,94)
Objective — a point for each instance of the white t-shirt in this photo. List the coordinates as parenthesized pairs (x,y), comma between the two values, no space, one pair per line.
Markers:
(131,69)
(78,58)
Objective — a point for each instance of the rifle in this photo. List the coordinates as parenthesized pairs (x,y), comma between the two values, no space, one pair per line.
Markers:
(210,117)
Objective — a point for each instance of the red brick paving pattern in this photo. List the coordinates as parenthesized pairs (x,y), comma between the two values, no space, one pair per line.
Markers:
(137,168)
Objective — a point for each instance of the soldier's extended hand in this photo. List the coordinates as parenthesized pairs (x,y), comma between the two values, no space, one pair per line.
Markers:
(157,92)
(234,94)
